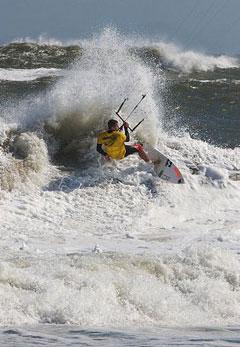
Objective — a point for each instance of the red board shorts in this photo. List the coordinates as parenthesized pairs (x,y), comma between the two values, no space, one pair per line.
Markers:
(133,149)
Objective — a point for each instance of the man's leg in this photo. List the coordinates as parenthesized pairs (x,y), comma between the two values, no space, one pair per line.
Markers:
(137,149)
(142,154)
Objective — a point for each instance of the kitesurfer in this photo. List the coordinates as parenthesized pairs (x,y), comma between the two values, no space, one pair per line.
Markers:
(111,143)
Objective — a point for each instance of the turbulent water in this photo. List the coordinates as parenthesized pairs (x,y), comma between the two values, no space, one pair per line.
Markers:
(109,254)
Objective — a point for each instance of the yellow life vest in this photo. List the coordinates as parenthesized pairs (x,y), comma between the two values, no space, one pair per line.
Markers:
(113,143)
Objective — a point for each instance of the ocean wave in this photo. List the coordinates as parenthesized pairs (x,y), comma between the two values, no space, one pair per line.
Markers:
(28,74)
(77,107)
(187,61)
(48,52)
(23,157)
(32,56)
(200,287)
(112,245)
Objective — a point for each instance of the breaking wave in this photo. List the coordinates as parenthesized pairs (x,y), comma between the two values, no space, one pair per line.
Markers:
(71,112)
(187,61)
(48,52)
(198,288)
(23,157)
(113,245)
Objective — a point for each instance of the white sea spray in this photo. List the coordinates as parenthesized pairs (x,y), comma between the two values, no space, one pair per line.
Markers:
(168,254)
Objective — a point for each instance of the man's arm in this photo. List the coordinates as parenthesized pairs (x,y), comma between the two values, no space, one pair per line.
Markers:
(126,131)
(100,150)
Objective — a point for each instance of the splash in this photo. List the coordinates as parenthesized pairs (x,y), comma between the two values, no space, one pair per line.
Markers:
(23,157)
(169,252)
(94,88)
(70,114)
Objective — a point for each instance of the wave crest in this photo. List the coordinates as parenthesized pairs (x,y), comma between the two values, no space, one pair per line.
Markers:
(22,156)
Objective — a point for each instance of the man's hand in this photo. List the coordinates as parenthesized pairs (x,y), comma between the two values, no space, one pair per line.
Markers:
(126,125)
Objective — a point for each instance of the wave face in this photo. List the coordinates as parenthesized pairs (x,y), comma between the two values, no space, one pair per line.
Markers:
(112,245)
(33,56)
(45,53)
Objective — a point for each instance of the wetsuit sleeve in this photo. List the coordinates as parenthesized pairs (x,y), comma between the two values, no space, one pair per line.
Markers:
(100,150)
(127,135)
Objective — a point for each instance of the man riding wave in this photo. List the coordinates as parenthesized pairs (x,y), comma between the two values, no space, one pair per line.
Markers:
(111,143)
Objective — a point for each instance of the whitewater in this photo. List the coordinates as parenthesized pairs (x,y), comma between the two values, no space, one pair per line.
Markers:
(108,254)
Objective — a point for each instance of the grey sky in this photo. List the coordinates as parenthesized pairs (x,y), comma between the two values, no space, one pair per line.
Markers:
(209,25)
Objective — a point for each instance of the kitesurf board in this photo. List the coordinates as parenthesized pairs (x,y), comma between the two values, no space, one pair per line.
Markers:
(163,166)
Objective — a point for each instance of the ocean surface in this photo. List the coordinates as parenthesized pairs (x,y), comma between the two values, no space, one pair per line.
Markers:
(108,254)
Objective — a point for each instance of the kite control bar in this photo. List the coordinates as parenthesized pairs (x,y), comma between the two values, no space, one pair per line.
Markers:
(124,120)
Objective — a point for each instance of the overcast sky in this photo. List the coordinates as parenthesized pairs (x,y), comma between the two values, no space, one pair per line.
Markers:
(209,25)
